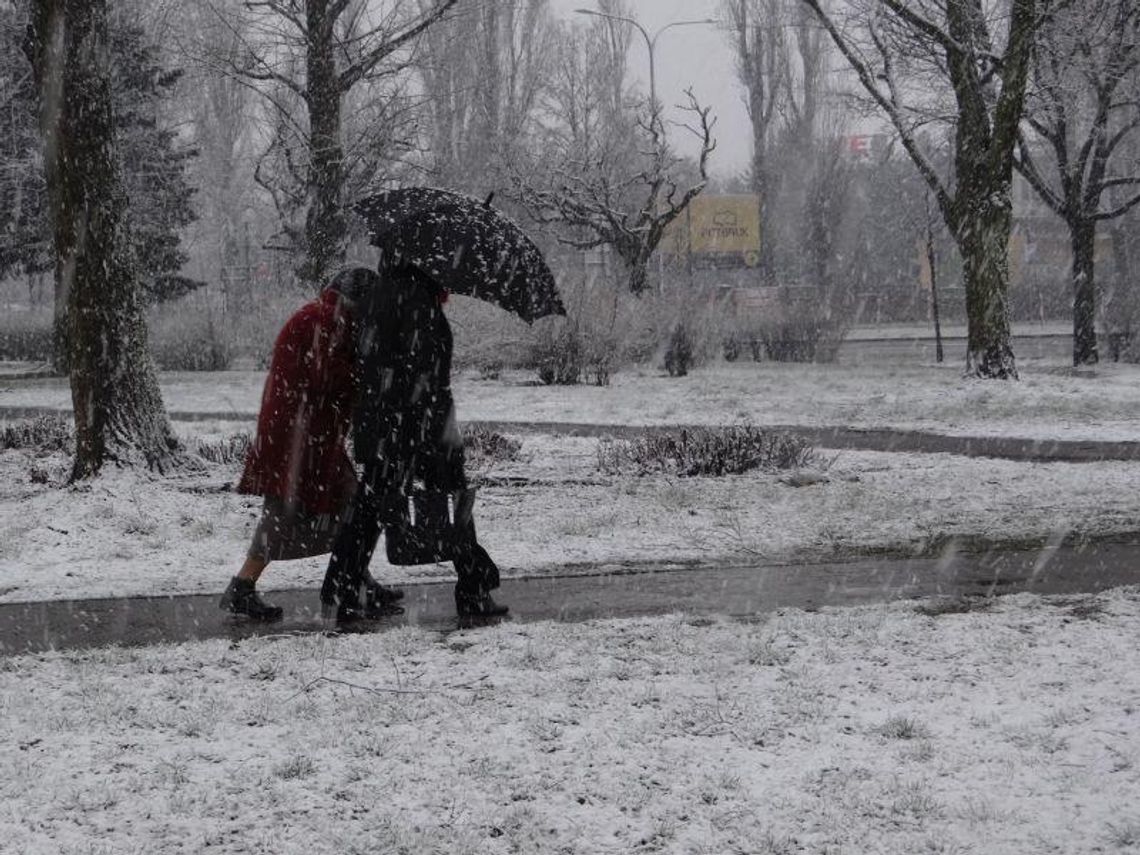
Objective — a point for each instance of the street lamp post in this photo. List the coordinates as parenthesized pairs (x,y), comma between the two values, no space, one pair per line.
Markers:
(651,46)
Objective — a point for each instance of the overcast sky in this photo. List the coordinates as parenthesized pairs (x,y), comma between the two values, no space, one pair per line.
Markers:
(697,56)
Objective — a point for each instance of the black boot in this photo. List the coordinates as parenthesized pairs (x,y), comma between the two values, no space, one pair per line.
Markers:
(477,604)
(378,593)
(241,598)
(478,576)
(350,610)
(379,601)
(343,598)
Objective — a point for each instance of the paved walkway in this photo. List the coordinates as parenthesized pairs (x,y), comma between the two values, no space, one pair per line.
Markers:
(743,592)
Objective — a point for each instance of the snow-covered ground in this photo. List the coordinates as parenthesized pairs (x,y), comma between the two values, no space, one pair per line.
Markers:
(1005,731)
(1010,727)
(128,533)
(1051,401)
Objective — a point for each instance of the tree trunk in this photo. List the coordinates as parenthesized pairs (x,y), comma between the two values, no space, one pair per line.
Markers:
(119,415)
(932,263)
(637,275)
(1083,237)
(763,186)
(59,361)
(325,230)
(983,238)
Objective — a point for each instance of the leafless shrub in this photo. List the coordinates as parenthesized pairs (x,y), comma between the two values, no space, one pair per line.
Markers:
(296,767)
(557,355)
(230,450)
(901,727)
(764,652)
(801,338)
(489,369)
(705,451)
(480,443)
(25,344)
(190,341)
(44,434)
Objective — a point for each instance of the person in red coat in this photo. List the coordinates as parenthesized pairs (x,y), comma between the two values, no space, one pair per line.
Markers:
(298,460)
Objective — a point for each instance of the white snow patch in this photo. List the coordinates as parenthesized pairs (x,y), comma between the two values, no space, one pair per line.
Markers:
(872,729)
(128,533)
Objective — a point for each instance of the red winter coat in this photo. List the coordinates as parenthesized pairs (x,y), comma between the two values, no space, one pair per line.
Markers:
(299,452)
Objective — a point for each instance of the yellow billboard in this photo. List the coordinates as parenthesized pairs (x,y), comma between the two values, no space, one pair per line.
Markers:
(718,229)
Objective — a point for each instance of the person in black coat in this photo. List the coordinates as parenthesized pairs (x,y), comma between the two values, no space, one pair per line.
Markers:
(404,429)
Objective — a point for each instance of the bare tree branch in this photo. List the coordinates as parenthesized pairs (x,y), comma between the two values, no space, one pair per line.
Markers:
(357,70)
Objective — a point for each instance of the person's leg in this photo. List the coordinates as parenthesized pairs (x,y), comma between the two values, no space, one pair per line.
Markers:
(252,569)
(476,574)
(477,577)
(241,596)
(352,550)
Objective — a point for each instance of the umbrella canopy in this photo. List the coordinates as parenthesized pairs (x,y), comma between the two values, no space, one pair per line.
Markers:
(466,245)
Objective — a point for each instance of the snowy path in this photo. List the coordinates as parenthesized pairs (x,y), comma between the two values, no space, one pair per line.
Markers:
(742,591)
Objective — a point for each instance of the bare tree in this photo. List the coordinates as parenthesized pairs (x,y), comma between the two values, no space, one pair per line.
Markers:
(218,110)
(799,170)
(1084,105)
(608,176)
(309,58)
(25,242)
(119,414)
(1120,306)
(827,176)
(905,53)
(782,61)
(483,72)
(758,30)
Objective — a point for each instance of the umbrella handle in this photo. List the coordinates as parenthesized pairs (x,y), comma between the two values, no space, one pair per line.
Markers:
(487,201)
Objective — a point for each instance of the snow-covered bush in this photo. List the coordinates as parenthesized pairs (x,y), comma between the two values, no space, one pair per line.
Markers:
(25,336)
(557,354)
(705,451)
(801,338)
(487,446)
(189,341)
(46,433)
(231,450)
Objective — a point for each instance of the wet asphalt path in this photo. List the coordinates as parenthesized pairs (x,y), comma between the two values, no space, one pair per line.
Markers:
(742,592)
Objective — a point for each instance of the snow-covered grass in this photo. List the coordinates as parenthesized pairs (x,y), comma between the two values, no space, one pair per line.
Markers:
(875,729)
(1008,726)
(1051,401)
(549,512)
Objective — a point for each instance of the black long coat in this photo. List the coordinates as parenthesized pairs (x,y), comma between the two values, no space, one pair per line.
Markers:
(404,420)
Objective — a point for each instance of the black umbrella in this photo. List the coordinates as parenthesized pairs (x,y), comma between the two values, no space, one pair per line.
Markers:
(466,245)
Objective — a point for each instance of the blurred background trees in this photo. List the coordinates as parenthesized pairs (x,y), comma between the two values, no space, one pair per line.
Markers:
(882,170)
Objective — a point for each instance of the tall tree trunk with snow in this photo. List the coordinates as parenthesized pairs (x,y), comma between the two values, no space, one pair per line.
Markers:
(1085,110)
(984,144)
(1083,239)
(989,94)
(983,239)
(325,230)
(119,414)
